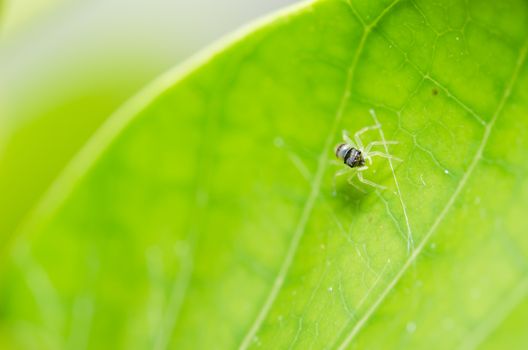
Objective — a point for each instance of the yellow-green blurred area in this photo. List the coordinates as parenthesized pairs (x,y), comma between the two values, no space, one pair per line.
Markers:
(66,65)
(17,14)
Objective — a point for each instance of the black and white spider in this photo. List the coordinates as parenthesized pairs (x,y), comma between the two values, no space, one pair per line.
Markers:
(356,156)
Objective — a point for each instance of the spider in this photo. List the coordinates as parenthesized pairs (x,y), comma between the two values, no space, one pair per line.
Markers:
(356,156)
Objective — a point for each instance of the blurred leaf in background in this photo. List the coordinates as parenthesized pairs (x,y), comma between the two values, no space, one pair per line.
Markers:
(19,13)
(65,72)
(203,213)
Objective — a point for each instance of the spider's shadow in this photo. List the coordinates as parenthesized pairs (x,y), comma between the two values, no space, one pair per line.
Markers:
(345,196)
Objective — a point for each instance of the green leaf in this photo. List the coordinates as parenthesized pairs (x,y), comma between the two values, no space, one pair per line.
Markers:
(204,215)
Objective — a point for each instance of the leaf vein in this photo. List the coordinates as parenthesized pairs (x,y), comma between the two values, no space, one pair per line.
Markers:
(314,192)
(506,94)
(410,240)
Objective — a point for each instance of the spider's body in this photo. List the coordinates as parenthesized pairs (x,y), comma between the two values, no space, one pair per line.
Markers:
(356,156)
(350,155)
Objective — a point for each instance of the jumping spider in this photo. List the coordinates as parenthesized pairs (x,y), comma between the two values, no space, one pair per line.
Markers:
(356,156)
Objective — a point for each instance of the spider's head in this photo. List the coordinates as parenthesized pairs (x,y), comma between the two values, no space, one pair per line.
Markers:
(361,160)
(355,159)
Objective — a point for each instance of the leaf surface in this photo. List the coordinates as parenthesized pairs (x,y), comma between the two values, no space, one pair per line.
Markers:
(204,215)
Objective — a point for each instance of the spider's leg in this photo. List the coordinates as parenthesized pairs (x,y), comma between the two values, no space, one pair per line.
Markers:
(379,143)
(347,138)
(336,175)
(350,180)
(357,135)
(384,155)
(368,182)
(341,172)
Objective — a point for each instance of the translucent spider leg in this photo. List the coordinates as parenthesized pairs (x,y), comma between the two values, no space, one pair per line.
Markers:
(368,182)
(384,155)
(350,180)
(379,143)
(357,135)
(347,138)
(341,172)
(336,175)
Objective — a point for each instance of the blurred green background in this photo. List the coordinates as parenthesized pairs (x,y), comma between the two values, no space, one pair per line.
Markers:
(65,65)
